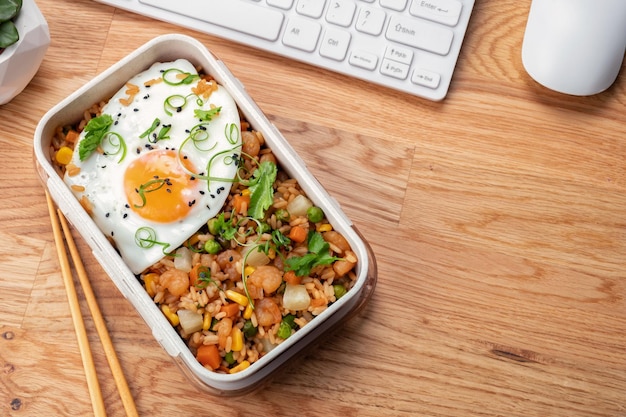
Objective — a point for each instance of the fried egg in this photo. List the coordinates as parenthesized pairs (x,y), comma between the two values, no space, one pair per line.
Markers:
(159,162)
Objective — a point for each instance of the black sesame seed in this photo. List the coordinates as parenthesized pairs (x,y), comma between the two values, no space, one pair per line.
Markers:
(168,190)
(147,96)
(125,215)
(135,109)
(201,192)
(126,205)
(107,215)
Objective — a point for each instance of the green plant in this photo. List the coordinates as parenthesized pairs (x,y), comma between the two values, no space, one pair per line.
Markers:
(9,9)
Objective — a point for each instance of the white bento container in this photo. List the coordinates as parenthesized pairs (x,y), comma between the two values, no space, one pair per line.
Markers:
(102,87)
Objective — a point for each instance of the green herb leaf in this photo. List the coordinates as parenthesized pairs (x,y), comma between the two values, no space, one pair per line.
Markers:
(262,192)
(207,115)
(224,228)
(319,254)
(94,131)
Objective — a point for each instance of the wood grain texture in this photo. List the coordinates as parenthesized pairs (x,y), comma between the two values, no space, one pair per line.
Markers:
(497,217)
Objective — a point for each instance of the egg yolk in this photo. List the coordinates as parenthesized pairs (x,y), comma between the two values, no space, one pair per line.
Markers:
(158,188)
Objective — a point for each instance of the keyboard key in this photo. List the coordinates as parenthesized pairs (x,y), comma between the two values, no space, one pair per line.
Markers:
(371,21)
(335,44)
(422,35)
(311,8)
(399,54)
(238,15)
(341,12)
(363,60)
(398,5)
(446,12)
(394,69)
(426,78)
(282,4)
(302,33)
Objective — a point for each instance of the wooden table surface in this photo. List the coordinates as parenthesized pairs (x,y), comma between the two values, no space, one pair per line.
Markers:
(497,217)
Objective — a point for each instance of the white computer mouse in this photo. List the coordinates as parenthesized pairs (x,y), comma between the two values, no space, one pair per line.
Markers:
(575,46)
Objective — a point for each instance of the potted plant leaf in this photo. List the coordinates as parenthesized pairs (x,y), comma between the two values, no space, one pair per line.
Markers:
(8,32)
(24,40)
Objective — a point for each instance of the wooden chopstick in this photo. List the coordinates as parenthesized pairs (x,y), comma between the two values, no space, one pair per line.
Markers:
(95,393)
(107,344)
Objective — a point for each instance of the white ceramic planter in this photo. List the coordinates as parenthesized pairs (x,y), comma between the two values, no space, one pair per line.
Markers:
(20,61)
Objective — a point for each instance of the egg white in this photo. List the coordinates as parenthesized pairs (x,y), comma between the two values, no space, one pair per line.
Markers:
(140,241)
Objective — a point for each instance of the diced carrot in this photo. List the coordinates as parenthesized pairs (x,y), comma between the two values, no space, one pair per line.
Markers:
(231,309)
(194,274)
(209,355)
(318,302)
(71,136)
(241,203)
(290,277)
(298,234)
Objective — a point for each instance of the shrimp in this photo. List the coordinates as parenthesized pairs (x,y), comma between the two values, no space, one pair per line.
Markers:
(267,277)
(229,264)
(176,281)
(267,312)
(250,143)
(224,328)
(336,241)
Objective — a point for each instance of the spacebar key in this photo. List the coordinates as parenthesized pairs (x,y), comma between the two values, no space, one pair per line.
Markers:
(237,15)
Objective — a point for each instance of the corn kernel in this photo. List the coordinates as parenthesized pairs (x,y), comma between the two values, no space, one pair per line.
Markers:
(172,317)
(148,280)
(248,270)
(237,343)
(237,297)
(247,313)
(206,321)
(245,192)
(64,155)
(325,227)
(243,365)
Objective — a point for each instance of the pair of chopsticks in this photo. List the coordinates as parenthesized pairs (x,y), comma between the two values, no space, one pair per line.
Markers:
(95,392)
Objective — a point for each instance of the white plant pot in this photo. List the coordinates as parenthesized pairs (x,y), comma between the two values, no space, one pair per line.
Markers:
(19,62)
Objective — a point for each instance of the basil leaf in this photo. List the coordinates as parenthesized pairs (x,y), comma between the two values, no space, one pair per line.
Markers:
(261,188)
(94,132)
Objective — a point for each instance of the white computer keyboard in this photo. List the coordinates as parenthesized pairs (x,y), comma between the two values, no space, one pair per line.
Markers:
(408,45)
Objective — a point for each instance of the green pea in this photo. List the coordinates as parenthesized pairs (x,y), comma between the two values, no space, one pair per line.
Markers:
(212,225)
(284,330)
(340,291)
(249,331)
(211,246)
(315,214)
(229,358)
